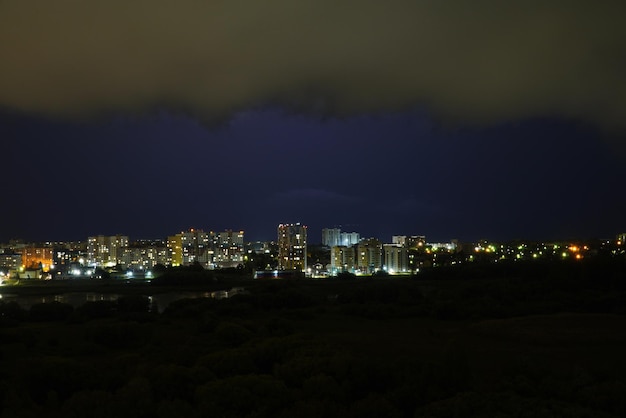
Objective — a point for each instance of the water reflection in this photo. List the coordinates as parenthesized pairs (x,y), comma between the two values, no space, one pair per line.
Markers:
(160,301)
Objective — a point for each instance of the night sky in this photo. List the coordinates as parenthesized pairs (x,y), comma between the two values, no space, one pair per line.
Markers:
(448,119)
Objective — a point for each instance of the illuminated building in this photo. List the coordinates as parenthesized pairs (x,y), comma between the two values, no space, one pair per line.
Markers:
(210,249)
(292,247)
(368,256)
(144,255)
(229,250)
(106,250)
(35,257)
(331,237)
(342,259)
(350,238)
(189,247)
(396,258)
(10,261)
(414,241)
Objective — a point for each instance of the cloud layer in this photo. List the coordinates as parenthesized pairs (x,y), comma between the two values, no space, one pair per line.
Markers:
(479,61)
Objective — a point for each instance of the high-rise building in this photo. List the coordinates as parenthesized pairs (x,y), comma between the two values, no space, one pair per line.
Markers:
(292,247)
(413,241)
(331,237)
(106,250)
(188,247)
(229,249)
(342,259)
(144,255)
(10,261)
(396,258)
(368,256)
(210,249)
(349,238)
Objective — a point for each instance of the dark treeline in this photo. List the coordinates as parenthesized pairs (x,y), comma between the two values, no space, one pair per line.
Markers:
(503,340)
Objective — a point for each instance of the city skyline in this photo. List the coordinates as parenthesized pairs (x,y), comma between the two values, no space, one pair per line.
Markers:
(496,121)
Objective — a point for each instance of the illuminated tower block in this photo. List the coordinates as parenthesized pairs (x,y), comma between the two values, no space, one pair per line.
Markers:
(342,259)
(106,250)
(292,247)
(331,237)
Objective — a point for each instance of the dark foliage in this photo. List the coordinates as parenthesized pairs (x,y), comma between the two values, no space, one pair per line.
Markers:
(53,311)
(480,342)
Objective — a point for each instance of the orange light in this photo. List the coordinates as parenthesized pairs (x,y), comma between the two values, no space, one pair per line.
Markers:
(578,256)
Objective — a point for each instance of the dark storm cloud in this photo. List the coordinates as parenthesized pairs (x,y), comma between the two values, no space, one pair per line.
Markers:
(479,61)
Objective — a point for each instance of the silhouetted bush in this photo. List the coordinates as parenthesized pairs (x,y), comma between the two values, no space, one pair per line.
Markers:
(182,276)
(243,396)
(229,363)
(98,309)
(232,334)
(51,311)
(11,311)
(118,335)
(133,303)
(190,307)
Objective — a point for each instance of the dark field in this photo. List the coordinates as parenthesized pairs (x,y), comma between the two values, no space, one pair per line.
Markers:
(513,342)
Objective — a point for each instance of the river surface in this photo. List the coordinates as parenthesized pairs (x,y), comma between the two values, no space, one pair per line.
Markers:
(158,301)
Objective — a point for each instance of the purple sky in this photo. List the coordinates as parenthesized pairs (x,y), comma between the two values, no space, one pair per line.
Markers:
(379,175)
(490,119)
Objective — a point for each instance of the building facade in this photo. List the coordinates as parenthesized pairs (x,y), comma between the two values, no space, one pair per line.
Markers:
(292,243)
(396,258)
(350,238)
(106,251)
(369,256)
(342,259)
(37,257)
(209,249)
(331,237)
(144,255)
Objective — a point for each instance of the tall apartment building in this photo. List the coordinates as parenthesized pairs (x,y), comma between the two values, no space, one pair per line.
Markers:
(342,259)
(292,247)
(413,241)
(210,249)
(10,261)
(36,256)
(144,255)
(229,249)
(369,256)
(396,258)
(350,238)
(189,247)
(106,250)
(331,237)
